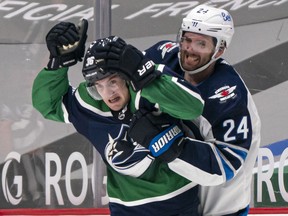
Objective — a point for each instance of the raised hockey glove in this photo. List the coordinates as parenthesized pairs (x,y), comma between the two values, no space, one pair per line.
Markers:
(66,43)
(108,48)
(129,62)
(139,70)
(161,134)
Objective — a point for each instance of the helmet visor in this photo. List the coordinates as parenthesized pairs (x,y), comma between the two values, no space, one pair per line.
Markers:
(197,44)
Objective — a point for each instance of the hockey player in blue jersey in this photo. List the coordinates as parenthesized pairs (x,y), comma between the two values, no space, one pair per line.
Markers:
(142,177)
(229,110)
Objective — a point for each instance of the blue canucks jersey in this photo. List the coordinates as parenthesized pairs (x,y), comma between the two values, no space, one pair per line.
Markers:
(137,183)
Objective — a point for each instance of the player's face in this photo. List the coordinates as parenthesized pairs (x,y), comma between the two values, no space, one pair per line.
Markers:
(195,50)
(114,91)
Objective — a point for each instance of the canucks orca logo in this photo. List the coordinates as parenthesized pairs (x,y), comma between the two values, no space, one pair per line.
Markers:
(123,154)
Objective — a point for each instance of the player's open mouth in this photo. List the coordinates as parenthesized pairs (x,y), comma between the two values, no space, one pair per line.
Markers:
(113,100)
(191,58)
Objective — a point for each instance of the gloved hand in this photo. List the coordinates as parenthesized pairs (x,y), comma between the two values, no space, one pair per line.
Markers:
(66,43)
(128,61)
(108,48)
(161,134)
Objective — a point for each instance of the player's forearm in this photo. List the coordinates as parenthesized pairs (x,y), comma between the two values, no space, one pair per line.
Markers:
(209,163)
(48,89)
(174,98)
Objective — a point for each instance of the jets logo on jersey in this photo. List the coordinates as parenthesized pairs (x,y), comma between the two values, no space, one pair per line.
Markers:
(224,93)
(167,47)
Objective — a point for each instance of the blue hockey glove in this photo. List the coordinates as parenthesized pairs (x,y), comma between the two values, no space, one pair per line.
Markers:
(161,134)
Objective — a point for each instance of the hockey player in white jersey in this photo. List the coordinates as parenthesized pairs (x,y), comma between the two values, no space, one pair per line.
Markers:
(229,110)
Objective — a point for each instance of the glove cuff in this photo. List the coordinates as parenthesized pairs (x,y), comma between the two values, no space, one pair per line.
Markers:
(62,61)
(166,139)
(54,63)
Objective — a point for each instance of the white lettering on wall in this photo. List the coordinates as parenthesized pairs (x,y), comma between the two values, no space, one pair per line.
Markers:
(53,173)
(74,157)
(283,158)
(264,177)
(60,12)
(17,180)
(52,180)
(265,173)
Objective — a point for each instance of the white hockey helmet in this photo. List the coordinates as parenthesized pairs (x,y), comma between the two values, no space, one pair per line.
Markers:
(211,21)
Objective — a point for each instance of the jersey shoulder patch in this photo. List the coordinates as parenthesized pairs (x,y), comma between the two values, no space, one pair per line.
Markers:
(224,93)
(167,47)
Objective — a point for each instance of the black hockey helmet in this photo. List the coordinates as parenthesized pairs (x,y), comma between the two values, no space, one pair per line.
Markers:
(94,65)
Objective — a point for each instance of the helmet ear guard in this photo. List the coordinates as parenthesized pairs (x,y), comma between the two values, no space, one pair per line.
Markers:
(214,22)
